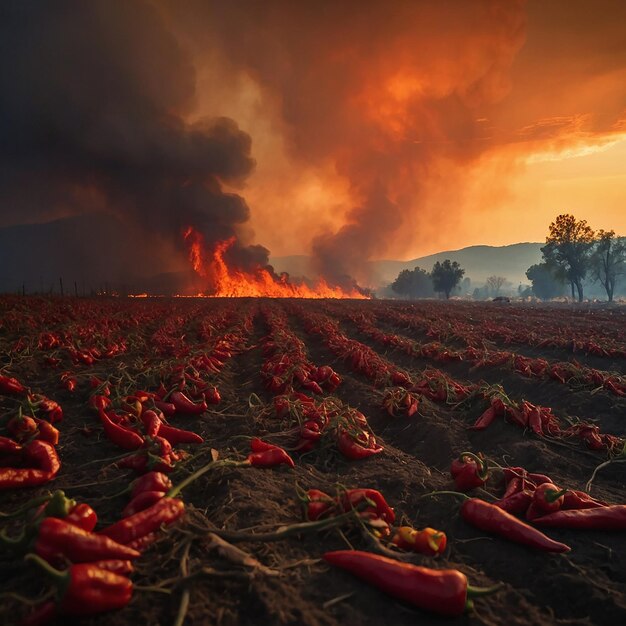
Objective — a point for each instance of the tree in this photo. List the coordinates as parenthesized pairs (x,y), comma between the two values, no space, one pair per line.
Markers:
(495,283)
(545,284)
(608,260)
(446,276)
(413,283)
(568,247)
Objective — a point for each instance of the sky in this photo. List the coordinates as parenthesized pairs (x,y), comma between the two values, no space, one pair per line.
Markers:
(345,130)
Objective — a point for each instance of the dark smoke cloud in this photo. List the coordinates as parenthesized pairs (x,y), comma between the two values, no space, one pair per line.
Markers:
(93,102)
(385,90)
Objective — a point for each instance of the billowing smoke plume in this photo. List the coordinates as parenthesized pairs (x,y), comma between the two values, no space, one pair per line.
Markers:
(369,119)
(92,117)
(388,91)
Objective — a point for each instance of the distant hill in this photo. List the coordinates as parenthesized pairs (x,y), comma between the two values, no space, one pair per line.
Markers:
(479,262)
(94,251)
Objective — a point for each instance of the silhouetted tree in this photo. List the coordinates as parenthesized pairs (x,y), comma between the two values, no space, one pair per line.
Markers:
(413,283)
(545,284)
(495,283)
(608,260)
(568,246)
(446,276)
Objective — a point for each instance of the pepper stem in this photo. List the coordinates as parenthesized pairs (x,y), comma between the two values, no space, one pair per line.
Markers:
(283,532)
(59,505)
(174,491)
(15,545)
(449,493)
(553,496)
(483,468)
(59,577)
(476,592)
(33,502)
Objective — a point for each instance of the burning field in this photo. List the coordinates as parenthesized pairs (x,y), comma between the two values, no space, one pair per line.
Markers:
(247,461)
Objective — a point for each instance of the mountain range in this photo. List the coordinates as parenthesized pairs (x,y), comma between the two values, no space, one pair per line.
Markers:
(479,262)
(95,251)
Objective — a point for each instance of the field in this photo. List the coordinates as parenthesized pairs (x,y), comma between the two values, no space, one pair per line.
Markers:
(406,386)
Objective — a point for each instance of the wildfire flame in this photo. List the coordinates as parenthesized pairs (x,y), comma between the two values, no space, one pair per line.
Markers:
(231,282)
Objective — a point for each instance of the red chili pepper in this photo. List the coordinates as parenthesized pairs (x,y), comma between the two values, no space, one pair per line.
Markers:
(270,458)
(318,504)
(11,385)
(51,361)
(142,501)
(485,419)
(258,445)
(9,446)
(43,455)
(59,538)
(574,499)
(167,408)
(68,382)
(381,510)
(178,435)
(510,473)
(469,471)
(51,410)
(99,402)
(441,591)
(142,543)
(152,481)
(120,436)
(311,385)
(517,503)
(515,485)
(212,395)
(23,477)
(539,479)
(548,497)
(83,516)
(47,432)
(495,520)
(611,517)
(151,422)
(357,445)
(145,461)
(165,511)
(86,589)
(21,426)
(117,566)
(184,405)
(95,382)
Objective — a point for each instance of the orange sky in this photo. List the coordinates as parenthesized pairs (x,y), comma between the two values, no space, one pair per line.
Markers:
(475,123)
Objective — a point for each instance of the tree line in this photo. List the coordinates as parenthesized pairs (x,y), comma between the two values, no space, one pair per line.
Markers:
(418,283)
(573,253)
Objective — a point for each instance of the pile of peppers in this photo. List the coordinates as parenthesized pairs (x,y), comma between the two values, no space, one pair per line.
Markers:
(28,456)
(538,498)
(90,569)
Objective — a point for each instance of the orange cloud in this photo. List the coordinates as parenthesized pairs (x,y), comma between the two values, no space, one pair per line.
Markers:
(399,128)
